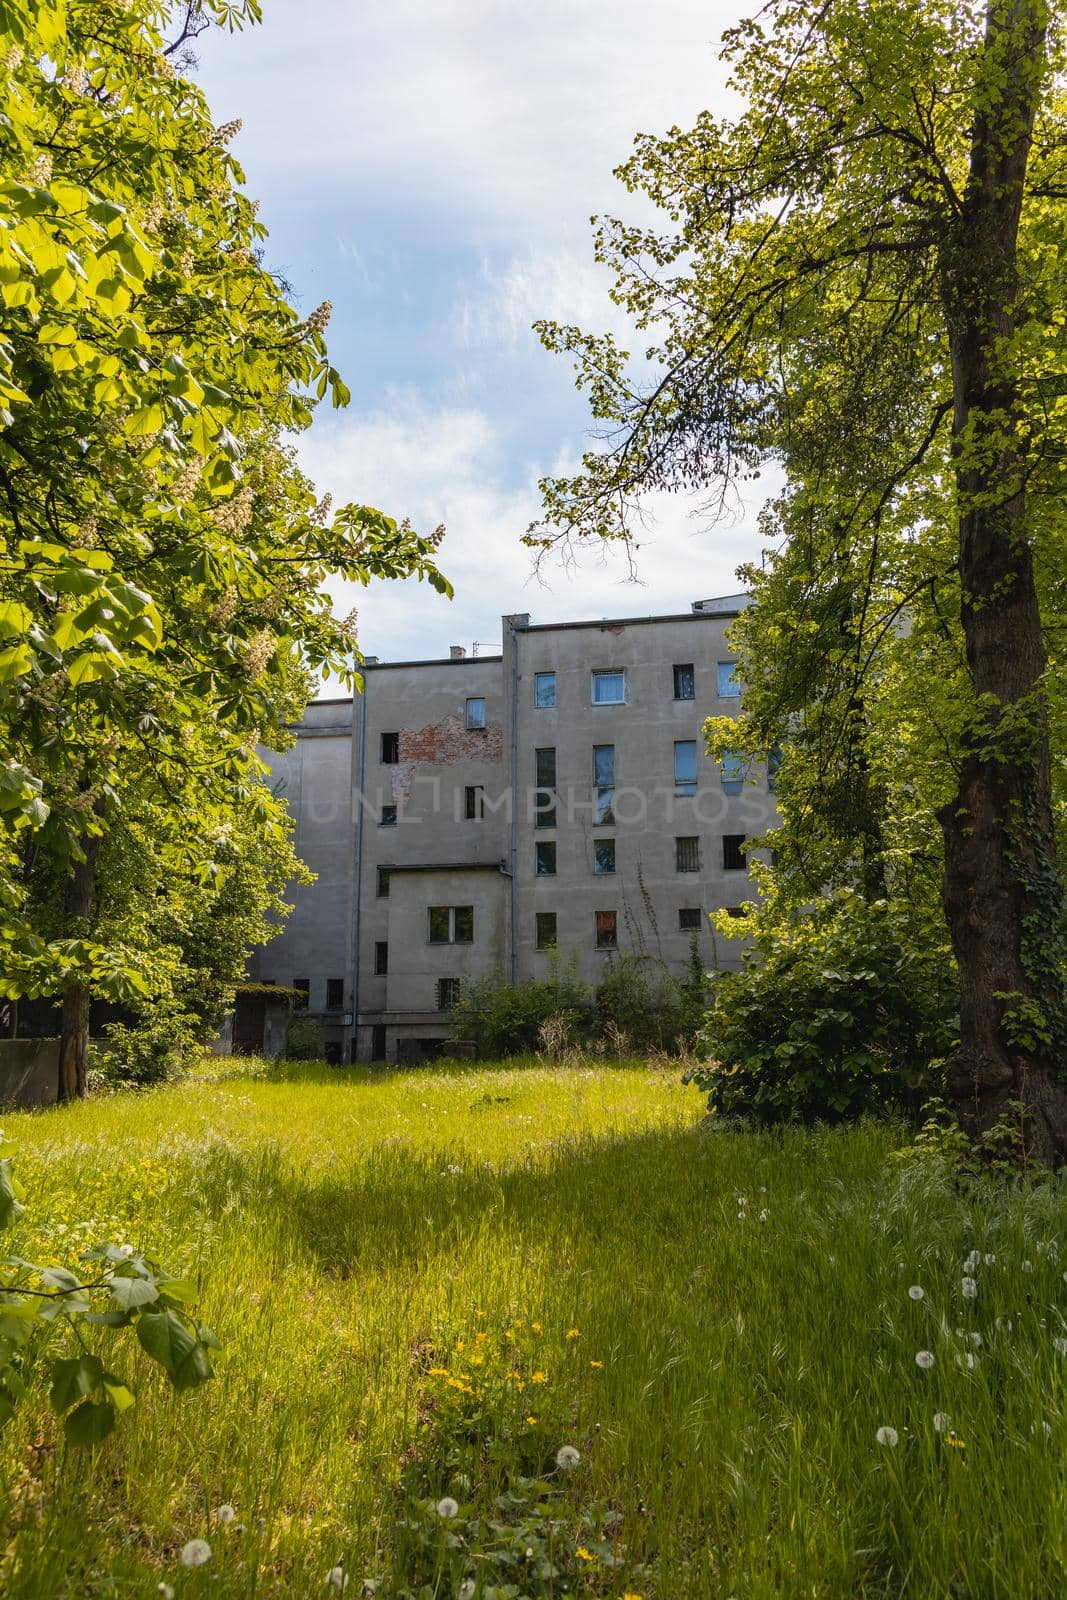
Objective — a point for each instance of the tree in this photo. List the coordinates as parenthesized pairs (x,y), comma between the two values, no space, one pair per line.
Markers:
(161,556)
(864,281)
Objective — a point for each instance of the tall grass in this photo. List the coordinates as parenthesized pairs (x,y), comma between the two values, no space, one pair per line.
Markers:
(739,1319)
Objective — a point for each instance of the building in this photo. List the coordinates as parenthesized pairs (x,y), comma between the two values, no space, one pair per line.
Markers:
(468,815)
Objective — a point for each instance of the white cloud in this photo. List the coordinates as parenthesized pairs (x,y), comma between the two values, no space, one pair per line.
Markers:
(445,465)
(506,117)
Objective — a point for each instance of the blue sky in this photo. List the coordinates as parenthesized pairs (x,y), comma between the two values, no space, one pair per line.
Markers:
(430,166)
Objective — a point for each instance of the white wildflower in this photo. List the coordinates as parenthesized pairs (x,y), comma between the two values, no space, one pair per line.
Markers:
(225,1514)
(972,1261)
(942,1421)
(924,1359)
(126,1250)
(970,1289)
(763,1216)
(888,1436)
(447,1507)
(989,1259)
(337,1579)
(196,1553)
(916,1292)
(967,1361)
(166,1590)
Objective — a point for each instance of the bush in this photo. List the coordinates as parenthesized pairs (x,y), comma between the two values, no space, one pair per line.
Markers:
(837,1010)
(639,1000)
(506,1019)
(303,1039)
(152,1049)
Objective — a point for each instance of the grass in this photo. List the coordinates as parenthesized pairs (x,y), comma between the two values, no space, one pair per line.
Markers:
(740,1330)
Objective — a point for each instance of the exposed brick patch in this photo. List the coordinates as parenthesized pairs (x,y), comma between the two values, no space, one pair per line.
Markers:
(443,744)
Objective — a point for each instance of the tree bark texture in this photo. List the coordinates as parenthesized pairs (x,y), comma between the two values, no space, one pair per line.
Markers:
(1002,892)
(74,1027)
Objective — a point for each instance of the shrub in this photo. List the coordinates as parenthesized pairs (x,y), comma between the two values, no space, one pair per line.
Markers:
(506,1019)
(151,1049)
(837,1010)
(638,999)
(303,1039)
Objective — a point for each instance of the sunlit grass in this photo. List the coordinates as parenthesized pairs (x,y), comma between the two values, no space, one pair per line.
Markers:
(740,1330)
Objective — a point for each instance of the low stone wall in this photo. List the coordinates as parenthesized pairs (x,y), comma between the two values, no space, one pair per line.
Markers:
(29,1072)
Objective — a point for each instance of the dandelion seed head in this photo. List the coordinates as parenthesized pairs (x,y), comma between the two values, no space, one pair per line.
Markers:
(225,1514)
(916,1292)
(567,1457)
(447,1507)
(337,1579)
(969,1287)
(888,1436)
(942,1421)
(195,1553)
(924,1359)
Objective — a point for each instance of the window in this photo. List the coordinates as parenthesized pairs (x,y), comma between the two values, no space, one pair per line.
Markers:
(447,994)
(733,854)
(474,802)
(390,749)
(774,761)
(476,713)
(729,688)
(609,688)
(685,766)
(451,924)
(546,930)
(388,817)
(733,773)
(687,854)
(545,858)
(689,919)
(383,883)
(603,855)
(303,993)
(685,687)
(607,932)
(735,911)
(381,958)
(544,799)
(335,994)
(604,784)
(544,690)
(545,768)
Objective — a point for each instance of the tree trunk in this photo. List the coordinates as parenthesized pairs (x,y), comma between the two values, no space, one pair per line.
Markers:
(1002,892)
(74,1028)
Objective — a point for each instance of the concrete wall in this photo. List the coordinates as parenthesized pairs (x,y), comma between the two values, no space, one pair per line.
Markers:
(339,787)
(29,1072)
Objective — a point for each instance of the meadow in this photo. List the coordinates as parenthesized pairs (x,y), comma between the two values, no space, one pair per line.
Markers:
(542,1331)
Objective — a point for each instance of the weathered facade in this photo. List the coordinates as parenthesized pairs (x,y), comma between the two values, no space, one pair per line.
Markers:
(466,816)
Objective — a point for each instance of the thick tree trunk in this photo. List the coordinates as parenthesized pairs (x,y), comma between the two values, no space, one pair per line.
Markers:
(74,1028)
(1002,893)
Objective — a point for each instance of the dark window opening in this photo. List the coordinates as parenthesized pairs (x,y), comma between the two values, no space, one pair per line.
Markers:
(451,924)
(545,858)
(335,994)
(388,817)
(546,930)
(735,911)
(604,855)
(685,682)
(381,957)
(607,931)
(733,852)
(474,802)
(689,919)
(545,768)
(303,993)
(383,883)
(687,854)
(544,809)
(447,994)
(390,749)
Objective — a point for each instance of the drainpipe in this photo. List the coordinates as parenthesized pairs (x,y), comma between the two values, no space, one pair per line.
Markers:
(356,931)
(514,801)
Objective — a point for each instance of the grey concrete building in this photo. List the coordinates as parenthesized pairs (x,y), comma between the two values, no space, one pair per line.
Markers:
(466,816)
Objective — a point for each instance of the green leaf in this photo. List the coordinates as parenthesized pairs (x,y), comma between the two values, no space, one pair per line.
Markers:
(10,1210)
(133,1292)
(90,1423)
(165,1337)
(74,1379)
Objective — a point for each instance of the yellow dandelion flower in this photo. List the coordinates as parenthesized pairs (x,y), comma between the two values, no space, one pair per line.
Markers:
(438,1372)
(481,1337)
(956,1443)
(573,1333)
(598,1364)
(530,1421)
(629,1596)
(536,1326)
(583,1554)
(476,1360)
(538,1377)
(460,1344)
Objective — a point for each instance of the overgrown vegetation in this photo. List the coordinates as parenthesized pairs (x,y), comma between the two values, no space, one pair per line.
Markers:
(724,1326)
(638,1005)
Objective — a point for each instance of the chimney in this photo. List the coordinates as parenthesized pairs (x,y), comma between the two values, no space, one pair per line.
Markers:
(370,661)
(456,652)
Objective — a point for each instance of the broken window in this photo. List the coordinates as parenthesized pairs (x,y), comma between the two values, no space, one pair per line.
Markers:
(474,802)
(604,783)
(303,993)
(607,935)
(603,855)
(545,857)
(390,749)
(388,817)
(733,852)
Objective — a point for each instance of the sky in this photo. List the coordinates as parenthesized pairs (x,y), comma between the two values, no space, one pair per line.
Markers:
(430,167)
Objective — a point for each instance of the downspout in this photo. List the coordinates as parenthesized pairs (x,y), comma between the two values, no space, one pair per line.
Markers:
(514,802)
(354,1046)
